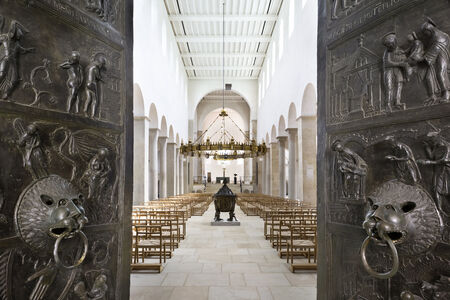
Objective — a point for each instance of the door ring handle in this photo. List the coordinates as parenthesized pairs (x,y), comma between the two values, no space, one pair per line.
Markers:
(82,257)
(369,269)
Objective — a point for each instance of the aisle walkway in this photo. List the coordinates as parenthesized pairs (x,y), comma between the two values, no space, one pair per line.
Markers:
(224,263)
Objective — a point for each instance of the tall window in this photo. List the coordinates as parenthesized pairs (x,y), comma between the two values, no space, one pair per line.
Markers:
(291,17)
(164,38)
(274,57)
(281,39)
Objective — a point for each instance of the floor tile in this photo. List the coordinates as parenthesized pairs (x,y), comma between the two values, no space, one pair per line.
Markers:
(233,293)
(224,263)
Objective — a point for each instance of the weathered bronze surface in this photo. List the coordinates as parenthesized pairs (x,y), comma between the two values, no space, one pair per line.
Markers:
(224,201)
(384,150)
(65,132)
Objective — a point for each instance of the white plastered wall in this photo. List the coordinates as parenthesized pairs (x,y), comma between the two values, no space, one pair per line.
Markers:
(291,63)
(161,81)
(289,72)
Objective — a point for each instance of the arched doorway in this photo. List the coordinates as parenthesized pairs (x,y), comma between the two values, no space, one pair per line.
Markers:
(237,126)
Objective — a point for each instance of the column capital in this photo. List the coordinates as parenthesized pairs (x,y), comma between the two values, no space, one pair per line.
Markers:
(163,138)
(274,143)
(292,130)
(144,118)
(171,143)
(282,138)
(152,130)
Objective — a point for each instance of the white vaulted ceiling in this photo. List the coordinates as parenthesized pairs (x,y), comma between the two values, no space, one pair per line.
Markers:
(197,26)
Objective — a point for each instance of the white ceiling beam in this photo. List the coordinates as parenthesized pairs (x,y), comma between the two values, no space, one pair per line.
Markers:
(219,97)
(219,55)
(226,78)
(218,18)
(227,68)
(218,39)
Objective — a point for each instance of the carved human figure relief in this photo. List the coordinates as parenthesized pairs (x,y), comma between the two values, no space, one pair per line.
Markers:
(100,7)
(353,170)
(29,141)
(10,51)
(437,57)
(93,86)
(396,72)
(96,174)
(439,289)
(437,149)
(406,167)
(97,292)
(74,81)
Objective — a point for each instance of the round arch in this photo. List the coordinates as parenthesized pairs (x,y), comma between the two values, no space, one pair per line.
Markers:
(219,90)
(292,116)
(153,115)
(212,101)
(171,135)
(163,128)
(309,101)
(281,126)
(273,134)
(138,101)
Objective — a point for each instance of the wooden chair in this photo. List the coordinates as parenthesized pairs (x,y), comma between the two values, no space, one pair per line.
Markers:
(148,243)
(302,242)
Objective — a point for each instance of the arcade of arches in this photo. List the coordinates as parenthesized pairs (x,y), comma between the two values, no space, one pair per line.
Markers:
(288,169)
(270,97)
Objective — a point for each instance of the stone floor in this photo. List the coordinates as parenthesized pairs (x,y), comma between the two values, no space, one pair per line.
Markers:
(224,263)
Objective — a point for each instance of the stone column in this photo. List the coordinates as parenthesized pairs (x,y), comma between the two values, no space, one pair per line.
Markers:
(281,164)
(275,169)
(253,161)
(190,176)
(180,174)
(309,134)
(199,173)
(171,169)
(299,160)
(185,175)
(140,195)
(267,179)
(292,193)
(163,166)
(247,164)
(263,175)
(153,163)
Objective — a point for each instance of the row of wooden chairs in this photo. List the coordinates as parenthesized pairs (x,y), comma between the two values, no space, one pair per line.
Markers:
(159,226)
(289,225)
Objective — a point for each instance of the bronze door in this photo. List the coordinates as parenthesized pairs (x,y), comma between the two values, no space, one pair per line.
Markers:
(384,149)
(65,149)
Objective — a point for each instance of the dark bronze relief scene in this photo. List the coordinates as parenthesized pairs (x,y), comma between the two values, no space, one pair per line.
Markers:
(404,68)
(387,132)
(62,112)
(76,81)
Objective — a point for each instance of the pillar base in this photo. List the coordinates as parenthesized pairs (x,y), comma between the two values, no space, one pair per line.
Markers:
(225,223)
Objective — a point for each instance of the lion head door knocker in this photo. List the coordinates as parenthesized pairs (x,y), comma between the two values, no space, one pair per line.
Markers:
(403,217)
(48,212)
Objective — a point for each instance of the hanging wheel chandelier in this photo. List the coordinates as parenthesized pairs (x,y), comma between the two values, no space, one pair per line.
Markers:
(226,148)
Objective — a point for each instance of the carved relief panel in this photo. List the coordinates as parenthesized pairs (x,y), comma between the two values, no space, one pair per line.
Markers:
(65,77)
(384,205)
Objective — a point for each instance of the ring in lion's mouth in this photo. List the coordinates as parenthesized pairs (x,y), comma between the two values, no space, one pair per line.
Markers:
(67,227)
(397,237)
(58,230)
